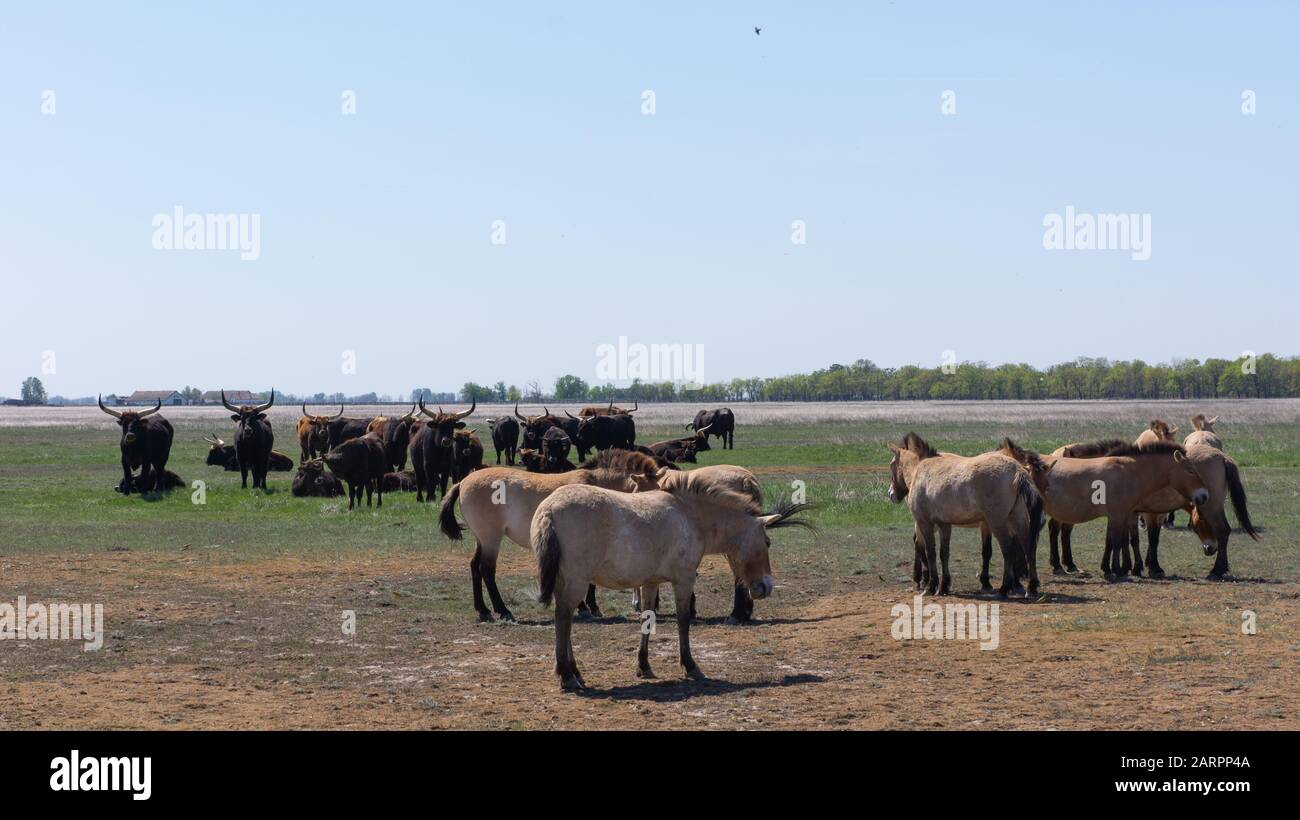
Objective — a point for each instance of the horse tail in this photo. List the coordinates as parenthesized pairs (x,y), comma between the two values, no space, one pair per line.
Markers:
(1238,494)
(546,545)
(447,514)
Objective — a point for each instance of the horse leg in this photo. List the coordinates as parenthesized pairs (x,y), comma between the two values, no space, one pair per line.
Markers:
(931,559)
(1153,545)
(476,582)
(918,560)
(647,626)
(1029,552)
(1222,530)
(1135,544)
(986,555)
(592,606)
(488,569)
(682,595)
(1116,537)
(945,537)
(1170,522)
(742,606)
(565,664)
(1067,548)
(1006,544)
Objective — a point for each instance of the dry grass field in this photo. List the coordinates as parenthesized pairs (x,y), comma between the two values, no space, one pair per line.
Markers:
(228,614)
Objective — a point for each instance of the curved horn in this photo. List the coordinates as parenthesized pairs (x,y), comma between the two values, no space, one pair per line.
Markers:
(304,408)
(227,403)
(521,417)
(410,415)
(701,431)
(570,415)
(634,409)
(473,405)
(425,410)
(112,413)
(340,415)
(689,426)
(264,407)
(156,408)
(212,440)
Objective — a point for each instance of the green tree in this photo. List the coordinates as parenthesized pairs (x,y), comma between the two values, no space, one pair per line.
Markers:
(513,394)
(570,388)
(34,391)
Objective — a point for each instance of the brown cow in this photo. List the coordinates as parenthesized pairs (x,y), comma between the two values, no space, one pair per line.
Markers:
(313,433)
(611,410)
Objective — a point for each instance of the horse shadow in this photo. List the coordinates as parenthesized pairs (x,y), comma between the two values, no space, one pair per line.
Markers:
(1045,595)
(676,691)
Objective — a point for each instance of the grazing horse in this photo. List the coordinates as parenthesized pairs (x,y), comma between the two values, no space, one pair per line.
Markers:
(1157,430)
(943,490)
(1209,520)
(582,534)
(499,502)
(1116,486)
(1203,432)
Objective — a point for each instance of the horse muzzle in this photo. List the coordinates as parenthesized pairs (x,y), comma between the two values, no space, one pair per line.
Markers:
(1210,548)
(1200,496)
(761,589)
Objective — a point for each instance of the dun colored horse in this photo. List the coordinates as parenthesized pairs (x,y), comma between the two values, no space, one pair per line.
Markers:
(584,534)
(943,490)
(499,502)
(1203,433)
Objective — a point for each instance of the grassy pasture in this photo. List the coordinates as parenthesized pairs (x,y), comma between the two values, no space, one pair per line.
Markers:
(225,612)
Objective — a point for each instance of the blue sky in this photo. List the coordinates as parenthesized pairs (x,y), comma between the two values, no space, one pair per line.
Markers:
(924,230)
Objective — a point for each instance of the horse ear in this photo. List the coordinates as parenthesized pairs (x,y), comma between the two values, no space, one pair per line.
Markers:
(1178,456)
(893,448)
(1173,429)
(1214,420)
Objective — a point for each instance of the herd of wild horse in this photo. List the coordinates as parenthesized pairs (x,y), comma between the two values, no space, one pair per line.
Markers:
(630,518)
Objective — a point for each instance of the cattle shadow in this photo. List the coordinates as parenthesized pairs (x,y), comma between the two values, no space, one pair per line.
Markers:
(683,689)
(1052,597)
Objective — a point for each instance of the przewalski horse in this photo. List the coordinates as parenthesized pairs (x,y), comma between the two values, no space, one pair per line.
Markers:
(944,490)
(1210,520)
(361,464)
(1203,433)
(431,450)
(1079,486)
(253,439)
(313,480)
(395,433)
(720,423)
(146,442)
(583,535)
(313,433)
(1157,430)
(505,438)
(605,431)
(466,454)
(223,455)
(498,502)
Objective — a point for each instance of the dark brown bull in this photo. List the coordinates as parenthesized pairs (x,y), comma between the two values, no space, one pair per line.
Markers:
(221,454)
(361,464)
(253,439)
(720,423)
(466,454)
(341,429)
(431,447)
(313,433)
(146,443)
(611,410)
(505,438)
(402,481)
(396,435)
(313,480)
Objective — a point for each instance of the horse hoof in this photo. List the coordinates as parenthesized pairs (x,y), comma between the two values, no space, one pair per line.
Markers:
(506,616)
(1071,569)
(986,587)
(1156,574)
(1217,576)
(1058,571)
(645,674)
(694,673)
(571,684)
(485,617)
(595,612)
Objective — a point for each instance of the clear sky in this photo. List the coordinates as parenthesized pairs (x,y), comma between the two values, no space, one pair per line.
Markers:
(924,229)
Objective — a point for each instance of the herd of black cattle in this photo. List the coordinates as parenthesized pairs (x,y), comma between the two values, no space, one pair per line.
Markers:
(369,455)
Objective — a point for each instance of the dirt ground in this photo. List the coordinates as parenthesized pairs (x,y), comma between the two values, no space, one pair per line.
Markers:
(197,641)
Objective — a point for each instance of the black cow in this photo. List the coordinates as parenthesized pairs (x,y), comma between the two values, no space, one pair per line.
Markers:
(253,440)
(505,438)
(720,423)
(535,462)
(361,463)
(146,443)
(431,446)
(170,481)
(674,450)
(341,429)
(313,480)
(221,454)
(602,432)
(555,449)
(396,435)
(466,454)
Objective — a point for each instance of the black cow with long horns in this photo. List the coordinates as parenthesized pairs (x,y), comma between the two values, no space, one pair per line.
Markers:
(253,440)
(431,454)
(146,443)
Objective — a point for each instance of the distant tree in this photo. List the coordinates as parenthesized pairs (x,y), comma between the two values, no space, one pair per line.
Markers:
(476,392)
(513,394)
(421,393)
(191,394)
(533,390)
(500,390)
(571,388)
(33,391)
